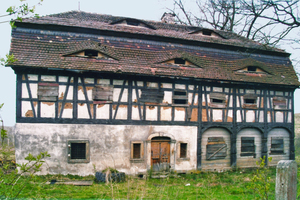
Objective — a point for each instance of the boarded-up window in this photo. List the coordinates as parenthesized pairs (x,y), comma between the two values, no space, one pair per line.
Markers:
(216,148)
(279,103)
(217,100)
(137,151)
(277,146)
(152,95)
(250,101)
(103,93)
(48,91)
(180,97)
(78,151)
(183,150)
(248,146)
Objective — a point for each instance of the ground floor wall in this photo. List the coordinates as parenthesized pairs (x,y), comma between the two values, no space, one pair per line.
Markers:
(82,149)
(124,147)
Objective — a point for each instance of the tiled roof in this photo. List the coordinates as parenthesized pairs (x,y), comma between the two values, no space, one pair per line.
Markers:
(35,46)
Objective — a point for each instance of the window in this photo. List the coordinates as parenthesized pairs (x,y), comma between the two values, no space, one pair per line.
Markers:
(279,103)
(48,91)
(216,148)
(252,69)
(180,97)
(183,150)
(91,53)
(102,93)
(137,151)
(277,146)
(250,101)
(248,146)
(206,32)
(152,95)
(217,100)
(78,151)
(179,61)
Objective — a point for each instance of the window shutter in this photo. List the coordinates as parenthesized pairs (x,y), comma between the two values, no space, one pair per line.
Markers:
(103,93)
(152,95)
(48,91)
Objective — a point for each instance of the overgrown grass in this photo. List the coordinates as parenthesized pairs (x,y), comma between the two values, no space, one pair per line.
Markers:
(204,185)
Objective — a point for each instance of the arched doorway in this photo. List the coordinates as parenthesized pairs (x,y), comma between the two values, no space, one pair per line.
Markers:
(160,153)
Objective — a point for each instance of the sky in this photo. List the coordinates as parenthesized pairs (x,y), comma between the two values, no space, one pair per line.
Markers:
(140,9)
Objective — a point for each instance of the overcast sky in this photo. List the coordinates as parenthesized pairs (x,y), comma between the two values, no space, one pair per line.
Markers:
(141,9)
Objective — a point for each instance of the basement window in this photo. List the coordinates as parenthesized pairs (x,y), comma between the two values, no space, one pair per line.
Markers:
(183,150)
(137,151)
(78,151)
(279,103)
(48,91)
(151,95)
(180,98)
(277,146)
(102,93)
(217,100)
(250,101)
(248,146)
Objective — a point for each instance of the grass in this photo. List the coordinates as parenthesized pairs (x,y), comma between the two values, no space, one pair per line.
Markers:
(203,185)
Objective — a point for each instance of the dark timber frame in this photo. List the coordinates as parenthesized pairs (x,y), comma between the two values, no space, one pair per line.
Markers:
(236,91)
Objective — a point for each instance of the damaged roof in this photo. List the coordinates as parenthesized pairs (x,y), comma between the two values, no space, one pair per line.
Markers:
(139,47)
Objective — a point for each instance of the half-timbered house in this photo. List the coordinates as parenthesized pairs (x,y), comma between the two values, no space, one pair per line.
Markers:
(99,91)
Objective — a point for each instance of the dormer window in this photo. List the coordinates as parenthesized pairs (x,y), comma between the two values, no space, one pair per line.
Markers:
(179,61)
(206,32)
(90,53)
(252,69)
(133,22)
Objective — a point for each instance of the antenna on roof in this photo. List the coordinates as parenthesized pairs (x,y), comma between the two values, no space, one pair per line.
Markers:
(78,5)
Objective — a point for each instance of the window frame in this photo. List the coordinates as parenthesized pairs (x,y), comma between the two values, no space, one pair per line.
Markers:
(276,153)
(218,96)
(179,156)
(98,89)
(176,97)
(250,97)
(248,153)
(48,91)
(151,95)
(87,151)
(278,103)
(132,143)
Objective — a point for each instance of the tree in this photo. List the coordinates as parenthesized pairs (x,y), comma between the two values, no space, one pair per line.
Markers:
(271,22)
(17,13)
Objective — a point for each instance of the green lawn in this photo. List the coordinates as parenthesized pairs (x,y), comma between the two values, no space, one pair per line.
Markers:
(226,185)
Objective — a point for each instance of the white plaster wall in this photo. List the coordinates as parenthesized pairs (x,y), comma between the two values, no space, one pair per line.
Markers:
(109,146)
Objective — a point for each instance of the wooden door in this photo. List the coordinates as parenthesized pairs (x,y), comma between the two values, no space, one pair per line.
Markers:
(160,154)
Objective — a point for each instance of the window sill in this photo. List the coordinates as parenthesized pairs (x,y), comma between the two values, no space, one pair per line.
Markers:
(78,161)
(137,160)
(183,159)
